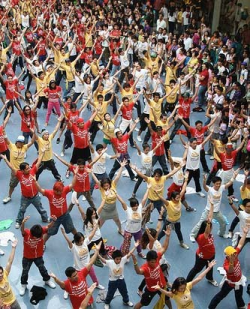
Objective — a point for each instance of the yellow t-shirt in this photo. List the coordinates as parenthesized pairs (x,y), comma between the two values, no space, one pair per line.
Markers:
(103,93)
(220,147)
(41,84)
(17,155)
(88,39)
(69,69)
(62,58)
(170,74)
(128,94)
(156,186)
(109,128)
(191,64)
(47,145)
(3,55)
(103,110)
(6,293)
(156,106)
(173,211)
(171,99)
(184,300)
(109,195)
(164,126)
(94,68)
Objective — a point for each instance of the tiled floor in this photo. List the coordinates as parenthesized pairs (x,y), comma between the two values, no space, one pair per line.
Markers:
(57,256)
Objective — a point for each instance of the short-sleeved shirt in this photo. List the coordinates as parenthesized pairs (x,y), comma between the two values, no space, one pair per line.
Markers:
(156,186)
(173,211)
(6,293)
(47,146)
(27,182)
(193,158)
(57,204)
(81,254)
(82,183)
(154,275)
(156,139)
(134,219)
(33,246)
(184,300)
(184,109)
(236,275)
(81,135)
(110,194)
(206,249)
(78,290)
(116,271)
(121,145)
(17,155)
(3,144)
(227,161)
(198,134)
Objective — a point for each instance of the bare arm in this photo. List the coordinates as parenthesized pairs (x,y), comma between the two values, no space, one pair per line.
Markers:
(69,242)
(11,256)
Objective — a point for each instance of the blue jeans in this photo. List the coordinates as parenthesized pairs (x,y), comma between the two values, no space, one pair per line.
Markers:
(119,284)
(66,222)
(36,201)
(201,95)
(67,91)
(26,136)
(114,69)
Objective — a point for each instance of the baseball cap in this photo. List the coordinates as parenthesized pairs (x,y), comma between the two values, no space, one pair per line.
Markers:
(80,120)
(244,63)
(20,139)
(230,250)
(186,95)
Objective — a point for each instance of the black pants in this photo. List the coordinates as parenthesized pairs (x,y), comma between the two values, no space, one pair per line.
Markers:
(42,100)
(116,167)
(27,74)
(94,129)
(96,242)
(138,183)
(162,161)
(198,266)
(49,165)
(178,124)
(39,262)
(203,161)
(18,60)
(226,289)
(213,172)
(196,175)
(234,223)
(177,228)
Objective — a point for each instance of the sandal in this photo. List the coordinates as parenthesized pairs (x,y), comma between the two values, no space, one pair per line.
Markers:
(213,282)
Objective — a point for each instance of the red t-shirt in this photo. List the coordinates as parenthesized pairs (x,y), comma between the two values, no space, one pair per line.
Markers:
(3,144)
(199,135)
(115,59)
(41,46)
(115,33)
(121,145)
(227,161)
(78,290)
(82,179)
(29,36)
(206,249)
(127,111)
(237,273)
(28,121)
(73,116)
(205,80)
(53,94)
(10,88)
(32,246)
(184,109)
(16,48)
(98,47)
(154,275)
(27,182)
(57,204)
(155,140)
(81,136)
(88,57)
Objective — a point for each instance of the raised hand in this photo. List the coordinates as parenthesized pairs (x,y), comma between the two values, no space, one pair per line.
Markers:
(14,243)
(26,219)
(211,264)
(168,231)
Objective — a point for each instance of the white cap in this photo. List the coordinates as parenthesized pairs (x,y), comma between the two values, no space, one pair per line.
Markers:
(20,139)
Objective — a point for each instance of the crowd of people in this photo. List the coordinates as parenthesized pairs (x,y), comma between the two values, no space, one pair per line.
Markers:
(132,75)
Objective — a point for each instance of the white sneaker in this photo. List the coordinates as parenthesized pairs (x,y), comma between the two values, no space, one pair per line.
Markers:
(83,198)
(106,306)
(65,295)
(139,138)
(1,252)
(22,289)
(191,237)
(184,246)
(51,284)
(100,287)
(230,235)
(6,200)
(136,129)
(201,194)
(223,236)
(62,154)
(17,225)
(234,199)
(130,304)
(211,158)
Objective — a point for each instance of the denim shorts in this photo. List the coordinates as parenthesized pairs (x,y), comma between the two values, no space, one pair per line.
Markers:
(67,223)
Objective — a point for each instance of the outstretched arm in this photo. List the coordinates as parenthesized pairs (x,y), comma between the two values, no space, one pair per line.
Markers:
(11,257)
(203,274)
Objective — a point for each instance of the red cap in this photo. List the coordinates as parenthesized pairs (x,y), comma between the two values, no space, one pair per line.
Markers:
(80,120)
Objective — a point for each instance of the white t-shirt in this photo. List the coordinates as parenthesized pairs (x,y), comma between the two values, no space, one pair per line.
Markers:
(116,270)
(143,74)
(89,228)
(178,178)
(188,42)
(79,86)
(100,166)
(124,61)
(244,221)
(193,158)
(215,197)
(81,254)
(134,220)
(216,126)
(146,161)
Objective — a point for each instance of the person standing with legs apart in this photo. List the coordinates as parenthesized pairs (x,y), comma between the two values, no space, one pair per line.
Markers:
(29,191)
(234,279)
(33,252)
(206,250)
(214,197)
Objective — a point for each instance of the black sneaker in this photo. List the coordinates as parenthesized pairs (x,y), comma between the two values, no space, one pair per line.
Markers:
(58,140)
